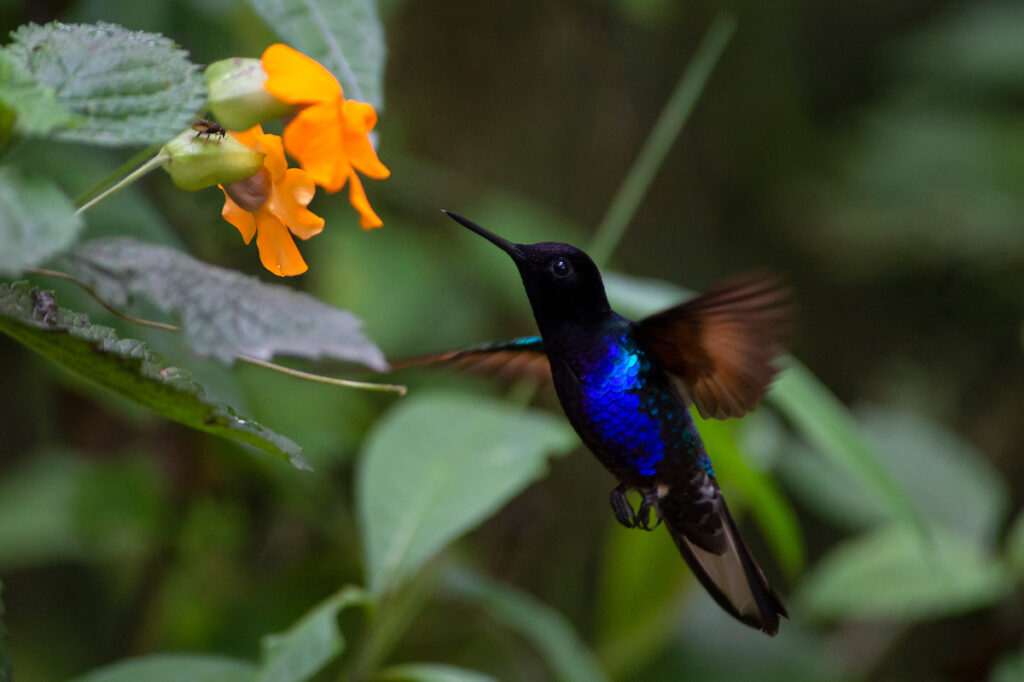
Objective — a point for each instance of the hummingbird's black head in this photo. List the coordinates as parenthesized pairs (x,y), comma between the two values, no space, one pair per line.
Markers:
(562,282)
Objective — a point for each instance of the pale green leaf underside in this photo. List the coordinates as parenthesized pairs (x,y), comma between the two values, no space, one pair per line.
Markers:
(127,367)
(436,466)
(223,313)
(36,220)
(345,36)
(122,87)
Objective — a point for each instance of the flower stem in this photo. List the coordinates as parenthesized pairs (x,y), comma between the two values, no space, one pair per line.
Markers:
(155,162)
(671,120)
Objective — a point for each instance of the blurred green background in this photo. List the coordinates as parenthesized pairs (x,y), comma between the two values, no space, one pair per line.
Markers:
(872,151)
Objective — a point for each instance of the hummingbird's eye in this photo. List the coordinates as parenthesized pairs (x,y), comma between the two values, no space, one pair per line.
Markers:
(560,267)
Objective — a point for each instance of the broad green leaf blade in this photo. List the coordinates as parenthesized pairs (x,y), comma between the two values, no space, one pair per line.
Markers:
(430,672)
(549,632)
(828,425)
(436,466)
(311,643)
(34,106)
(896,573)
(345,36)
(127,367)
(6,668)
(123,87)
(223,313)
(36,220)
(174,668)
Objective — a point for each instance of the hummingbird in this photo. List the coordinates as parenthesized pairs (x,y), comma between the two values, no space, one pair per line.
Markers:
(625,387)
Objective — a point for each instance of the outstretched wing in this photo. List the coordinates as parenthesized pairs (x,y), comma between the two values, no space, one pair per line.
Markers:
(721,344)
(515,358)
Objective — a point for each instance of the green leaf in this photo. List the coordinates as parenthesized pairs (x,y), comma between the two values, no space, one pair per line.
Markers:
(830,427)
(548,630)
(223,313)
(127,367)
(174,668)
(311,643)
(345,36)
(430,672)
(34,106)
(36,220)
(123,87)
(1015,546)
(436,466)
(1010,668)
(6,667)
(894,572)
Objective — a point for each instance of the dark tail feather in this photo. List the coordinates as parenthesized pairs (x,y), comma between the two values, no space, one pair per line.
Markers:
(723,564)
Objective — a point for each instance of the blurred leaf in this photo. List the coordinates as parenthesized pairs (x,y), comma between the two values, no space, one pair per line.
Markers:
(124,87)
(639,296)
(127,367)
(33,104)
(311,643)
(1010,668)
(6,668)
(436,466)
(174,668)
(547,629)
(828,425)
(345,36)
(223,313)
(429,672)
(1015,546)
(930,462)
(36,220)
(55,507)
(894,572)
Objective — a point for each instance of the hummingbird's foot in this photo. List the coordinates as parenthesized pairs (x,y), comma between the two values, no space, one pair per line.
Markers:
(643,515)
(624,513)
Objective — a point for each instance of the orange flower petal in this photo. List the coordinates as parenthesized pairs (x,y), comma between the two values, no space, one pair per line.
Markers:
(291,196)
(273,160)
(359,119)
(357,197)
(239,217)
(250,138)
(314,137)
(295,78)
(278,252)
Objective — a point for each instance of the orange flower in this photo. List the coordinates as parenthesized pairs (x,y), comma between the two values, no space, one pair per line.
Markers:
(272,205)
(329,136)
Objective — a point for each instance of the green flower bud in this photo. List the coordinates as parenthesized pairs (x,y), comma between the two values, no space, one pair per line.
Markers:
(237,97)
(202,159)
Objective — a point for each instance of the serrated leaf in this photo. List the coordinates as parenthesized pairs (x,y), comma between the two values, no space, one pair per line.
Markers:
(223,313)
(345,36)
(36,220)
(895,573)
(430,672)
(127,367)
(34,105)
(547,629)
(174,668)
(436,466)
(311,643)
(6,667)
(123,87)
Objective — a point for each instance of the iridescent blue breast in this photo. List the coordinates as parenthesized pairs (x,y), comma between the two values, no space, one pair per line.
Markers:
(636,421)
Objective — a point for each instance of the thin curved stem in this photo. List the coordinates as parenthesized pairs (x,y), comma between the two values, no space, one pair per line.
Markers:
(152,164)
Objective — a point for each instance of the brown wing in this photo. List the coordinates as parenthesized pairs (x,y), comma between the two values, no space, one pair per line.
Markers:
(517,358)
(721,344)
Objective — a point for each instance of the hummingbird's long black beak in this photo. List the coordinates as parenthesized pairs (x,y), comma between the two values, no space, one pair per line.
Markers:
(503,244)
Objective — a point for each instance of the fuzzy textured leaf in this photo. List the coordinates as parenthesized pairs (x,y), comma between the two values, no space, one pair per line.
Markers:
(345,36)
(895,573)
(127,367)
(436,466)
(311,643)
(36,220)
(223,313)
(174,668)
(122,87)
(34,105)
